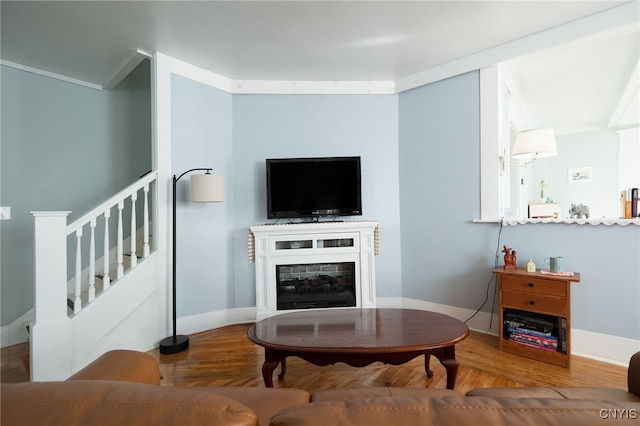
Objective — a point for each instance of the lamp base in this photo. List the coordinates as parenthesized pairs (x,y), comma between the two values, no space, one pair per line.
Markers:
(174,344)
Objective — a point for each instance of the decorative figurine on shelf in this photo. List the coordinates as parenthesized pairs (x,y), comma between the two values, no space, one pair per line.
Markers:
(531,267)
(509,258)
(578,210)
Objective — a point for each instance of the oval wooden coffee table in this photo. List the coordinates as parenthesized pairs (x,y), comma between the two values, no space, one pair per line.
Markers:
(358,337)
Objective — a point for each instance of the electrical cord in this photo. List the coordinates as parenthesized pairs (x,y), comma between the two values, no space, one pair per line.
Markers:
(486,299)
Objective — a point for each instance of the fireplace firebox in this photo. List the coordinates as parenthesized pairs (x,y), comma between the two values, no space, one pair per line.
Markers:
(316,285)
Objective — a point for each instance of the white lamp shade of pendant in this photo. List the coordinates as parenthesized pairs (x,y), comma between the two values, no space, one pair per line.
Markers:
(207,188)
(532,144)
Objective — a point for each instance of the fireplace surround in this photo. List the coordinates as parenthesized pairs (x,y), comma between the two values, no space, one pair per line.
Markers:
(313,265)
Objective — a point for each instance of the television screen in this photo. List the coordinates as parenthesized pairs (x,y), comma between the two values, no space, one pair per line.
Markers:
(313,187)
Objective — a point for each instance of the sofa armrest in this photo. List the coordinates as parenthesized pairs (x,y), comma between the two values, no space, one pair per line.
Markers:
(122,366)
(633,374)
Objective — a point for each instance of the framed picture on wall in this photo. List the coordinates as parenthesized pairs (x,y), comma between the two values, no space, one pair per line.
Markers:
(580,175)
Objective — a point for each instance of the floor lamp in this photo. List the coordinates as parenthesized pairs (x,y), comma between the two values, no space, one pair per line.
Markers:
(204,188)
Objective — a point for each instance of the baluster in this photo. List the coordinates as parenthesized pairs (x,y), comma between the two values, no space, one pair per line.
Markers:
(145,220)
(92,261)
(106,280)
(119,254)
(134,257)
(77,303)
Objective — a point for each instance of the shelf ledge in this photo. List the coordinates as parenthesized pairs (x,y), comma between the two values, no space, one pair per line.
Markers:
(606,222)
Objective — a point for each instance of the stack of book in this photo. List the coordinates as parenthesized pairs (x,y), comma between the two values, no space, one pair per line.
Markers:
(629,203)
(531,329)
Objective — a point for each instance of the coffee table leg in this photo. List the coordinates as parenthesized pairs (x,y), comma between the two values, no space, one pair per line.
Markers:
(447,357)
(271,361)
(427,360)
(451,366)
(283,369)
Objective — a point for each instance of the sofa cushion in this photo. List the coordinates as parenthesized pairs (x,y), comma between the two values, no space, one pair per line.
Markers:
(265,402)
(596,394)
(122,366)
(376,392)
(108,403)
(456,410)
(599,394)
(533,392)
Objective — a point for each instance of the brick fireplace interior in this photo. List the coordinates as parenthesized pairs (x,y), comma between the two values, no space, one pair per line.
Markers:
(316,285)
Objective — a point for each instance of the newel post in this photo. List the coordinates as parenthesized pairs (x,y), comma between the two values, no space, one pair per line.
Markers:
(50,336)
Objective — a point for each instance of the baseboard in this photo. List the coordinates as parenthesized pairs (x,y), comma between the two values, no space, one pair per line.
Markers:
(603,347)
(210,320)
(16,332)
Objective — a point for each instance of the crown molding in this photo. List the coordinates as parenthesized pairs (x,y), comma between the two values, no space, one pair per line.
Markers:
(128,64)
(53,75)
(280,87)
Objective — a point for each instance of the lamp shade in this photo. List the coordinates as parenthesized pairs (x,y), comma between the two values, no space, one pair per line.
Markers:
(537,143)
(207,188)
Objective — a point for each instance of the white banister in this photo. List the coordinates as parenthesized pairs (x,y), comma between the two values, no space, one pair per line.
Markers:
(50,265)
(50,336)
(92,261)
(132,238)
(83,277)
(77,302)
(106,280)
(119,243)
(145,218)
(125,193)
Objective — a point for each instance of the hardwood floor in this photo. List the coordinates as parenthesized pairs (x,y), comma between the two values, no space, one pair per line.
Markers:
(225,357)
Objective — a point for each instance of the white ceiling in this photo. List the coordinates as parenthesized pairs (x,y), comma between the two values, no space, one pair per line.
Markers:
(323,41)
(580,86)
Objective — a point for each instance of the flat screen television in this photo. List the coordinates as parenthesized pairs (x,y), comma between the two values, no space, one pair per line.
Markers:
(313,187)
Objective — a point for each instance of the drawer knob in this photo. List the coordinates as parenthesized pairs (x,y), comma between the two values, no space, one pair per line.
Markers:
(530,284)
(532,302)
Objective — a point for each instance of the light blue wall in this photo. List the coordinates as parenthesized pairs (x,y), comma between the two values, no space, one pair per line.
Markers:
(446,259)
(272,126)
(201,137)
(64,147)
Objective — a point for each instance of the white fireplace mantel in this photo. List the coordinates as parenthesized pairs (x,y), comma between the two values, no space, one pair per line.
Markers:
(314,242)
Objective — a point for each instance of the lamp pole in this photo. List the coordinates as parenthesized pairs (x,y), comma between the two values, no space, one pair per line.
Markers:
(176,343)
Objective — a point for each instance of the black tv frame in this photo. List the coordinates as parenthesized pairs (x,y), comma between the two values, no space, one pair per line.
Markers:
(309,165)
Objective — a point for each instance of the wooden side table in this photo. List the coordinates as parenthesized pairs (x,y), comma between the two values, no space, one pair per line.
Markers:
(535,314)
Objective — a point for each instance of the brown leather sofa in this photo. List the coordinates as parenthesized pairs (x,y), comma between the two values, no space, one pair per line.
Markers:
(122,388)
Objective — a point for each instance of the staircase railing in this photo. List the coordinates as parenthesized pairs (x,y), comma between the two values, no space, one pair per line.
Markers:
(86,230)
(60,339)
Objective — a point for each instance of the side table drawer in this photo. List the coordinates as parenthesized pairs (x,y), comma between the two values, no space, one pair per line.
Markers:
(534,302)
(534,285)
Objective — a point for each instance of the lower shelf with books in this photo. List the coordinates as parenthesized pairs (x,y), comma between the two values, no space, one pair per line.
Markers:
(535,335)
